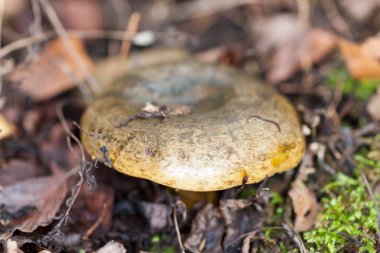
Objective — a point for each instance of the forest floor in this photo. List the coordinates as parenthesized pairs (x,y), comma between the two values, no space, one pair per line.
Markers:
(324,56)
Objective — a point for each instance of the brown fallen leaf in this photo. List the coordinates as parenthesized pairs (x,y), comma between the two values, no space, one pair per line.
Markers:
(207,231)
(272,32)
(112,247)
(373,106)
(93,210)
(294,45)
(80,15)
(305,206)
(17,170)
(56,149)
(300,52)
(362,60)
(53,72)
(31,203)
(241,216)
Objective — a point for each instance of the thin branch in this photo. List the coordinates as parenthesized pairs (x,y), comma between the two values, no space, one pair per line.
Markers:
(83,34)
(62,33)
(334,17)
(200,8)
(130,30)
(97,223)
(304,11)
(175,219)
(2,7)
(295,236)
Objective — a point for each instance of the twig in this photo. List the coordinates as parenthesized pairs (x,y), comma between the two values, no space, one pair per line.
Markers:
(304,11)
(357,242)
(70,134)
(243,184)
(374,203)
(334,17)
(131,30)
(62,33)
(266,120)
(162,112)
(200,8)
(261,187)
(84,34)
(98,221)
(296,237)
(2,7)
(175,219)
(37,27)
(37,17)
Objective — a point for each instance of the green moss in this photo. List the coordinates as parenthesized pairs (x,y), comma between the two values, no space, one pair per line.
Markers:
(347,211)
(362,90)
(156,242)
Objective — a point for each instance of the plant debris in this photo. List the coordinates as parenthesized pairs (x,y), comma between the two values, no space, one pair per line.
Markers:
(151,111)
(49,48)
(32,203)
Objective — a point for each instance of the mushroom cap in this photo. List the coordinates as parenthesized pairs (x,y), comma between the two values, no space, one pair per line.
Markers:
(238,130)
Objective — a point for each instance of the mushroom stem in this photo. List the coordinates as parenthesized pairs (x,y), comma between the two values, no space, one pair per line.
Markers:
(190,198)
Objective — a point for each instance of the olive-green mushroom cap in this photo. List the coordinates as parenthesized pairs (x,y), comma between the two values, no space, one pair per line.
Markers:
(238,130)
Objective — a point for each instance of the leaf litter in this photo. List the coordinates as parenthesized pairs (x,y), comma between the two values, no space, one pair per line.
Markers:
(271,40)
(31,203)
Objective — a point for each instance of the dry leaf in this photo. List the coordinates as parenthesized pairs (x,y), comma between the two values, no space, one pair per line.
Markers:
(207,231)
(241,216)
(92,207)
(17,170)
(7,129)
(300,52)
(305,206)
(80,15)
(362,60)
(112,247)
(373,106)
(12,247)
(272,32)
(360,10)
(54,71)
(31,203)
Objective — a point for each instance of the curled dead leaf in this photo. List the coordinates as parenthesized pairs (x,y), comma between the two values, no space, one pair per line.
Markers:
(207,231)
(31,203)
(362,60)
(300,52)
(305,206)
(54,71)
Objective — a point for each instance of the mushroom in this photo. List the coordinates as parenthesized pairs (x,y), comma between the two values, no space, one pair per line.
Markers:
(237,129)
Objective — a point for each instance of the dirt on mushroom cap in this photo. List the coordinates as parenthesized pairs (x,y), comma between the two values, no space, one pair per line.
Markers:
(238,128)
